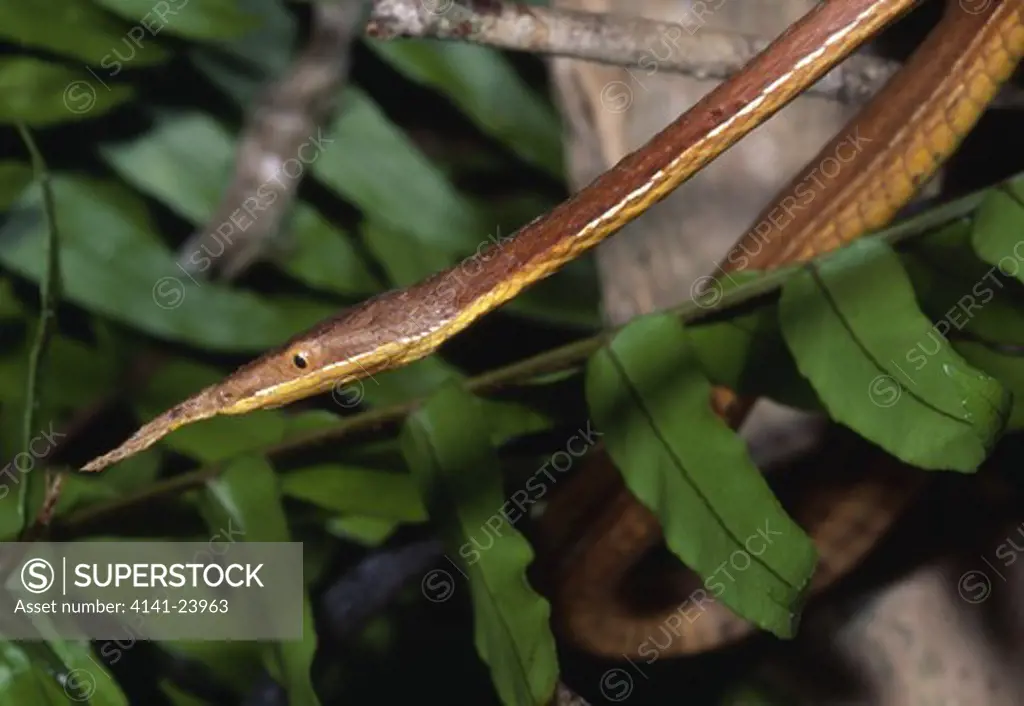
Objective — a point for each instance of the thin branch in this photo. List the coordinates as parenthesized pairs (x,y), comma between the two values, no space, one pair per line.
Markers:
(564,358)
(271,160)
(373,584)
(644,47)
(49,293)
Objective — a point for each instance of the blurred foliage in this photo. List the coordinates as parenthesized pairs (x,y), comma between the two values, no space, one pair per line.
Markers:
(436,149)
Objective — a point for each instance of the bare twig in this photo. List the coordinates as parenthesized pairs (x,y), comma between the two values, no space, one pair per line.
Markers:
(272,156)
(638,44)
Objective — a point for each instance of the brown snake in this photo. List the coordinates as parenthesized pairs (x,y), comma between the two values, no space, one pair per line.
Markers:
(979,51)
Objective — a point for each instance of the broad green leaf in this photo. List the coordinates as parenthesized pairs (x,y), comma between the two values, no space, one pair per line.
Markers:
(998,226)
(357,491)
(210,20)
(398,385)
(21,682)
(319,554)
(40,93)
(960,293)
(83,674)
(406,260)
(507,420)
(310,420)
(128,276)
(177,143)
(133,474)
(242,67)
(880,366)
(485,86)
(647,394)
(373,164)
(1007,368)
(569,298)
(247,493)
(57,673)
(78,29)
(1014,187)
(178,696)
(736,352)
(10,307)
(192,143)
(14,178)
(369,531)
(447,445)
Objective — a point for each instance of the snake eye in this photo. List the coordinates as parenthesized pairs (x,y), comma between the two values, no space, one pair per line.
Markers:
(300,361)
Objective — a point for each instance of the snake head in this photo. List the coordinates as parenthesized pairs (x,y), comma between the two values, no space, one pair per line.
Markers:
(329,356)
(334,353)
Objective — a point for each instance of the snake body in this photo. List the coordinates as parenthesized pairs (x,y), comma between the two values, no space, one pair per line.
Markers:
(883,157)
